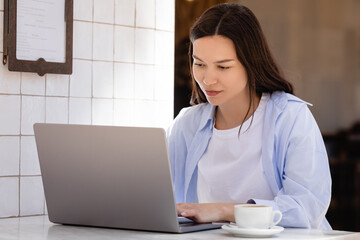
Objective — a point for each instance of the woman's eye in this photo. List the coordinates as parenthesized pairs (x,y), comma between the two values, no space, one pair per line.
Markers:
(199,64)
(223,67)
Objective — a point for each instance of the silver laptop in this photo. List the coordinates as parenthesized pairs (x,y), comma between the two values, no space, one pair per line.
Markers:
(107,176)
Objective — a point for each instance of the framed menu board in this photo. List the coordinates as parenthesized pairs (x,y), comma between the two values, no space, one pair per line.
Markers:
(38,36)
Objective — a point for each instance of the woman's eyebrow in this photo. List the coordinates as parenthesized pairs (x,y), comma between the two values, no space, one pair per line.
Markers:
(220,61)
(197,58)
(225,60)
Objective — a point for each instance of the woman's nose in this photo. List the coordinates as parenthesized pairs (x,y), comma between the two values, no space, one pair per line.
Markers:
(209,78)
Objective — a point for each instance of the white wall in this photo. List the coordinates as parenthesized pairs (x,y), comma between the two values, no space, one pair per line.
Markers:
(123,60)
(317,44)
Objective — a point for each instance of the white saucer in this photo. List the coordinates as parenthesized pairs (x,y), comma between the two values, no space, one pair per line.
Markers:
(252,232)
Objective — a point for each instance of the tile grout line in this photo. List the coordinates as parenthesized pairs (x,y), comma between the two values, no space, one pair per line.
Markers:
(77,97)
(113,70)
(92,60)
(154,53)
(123,25)
(68,80)
(20,139)
(134,66)
(92,98)
(45,120)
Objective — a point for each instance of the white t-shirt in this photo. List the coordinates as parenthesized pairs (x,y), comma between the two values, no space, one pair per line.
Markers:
(231,168)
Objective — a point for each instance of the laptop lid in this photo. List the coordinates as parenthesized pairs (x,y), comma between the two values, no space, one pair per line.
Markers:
(108,176)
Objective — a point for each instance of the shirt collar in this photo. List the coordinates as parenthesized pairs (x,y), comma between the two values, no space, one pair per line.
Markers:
(280,100)
(208,116)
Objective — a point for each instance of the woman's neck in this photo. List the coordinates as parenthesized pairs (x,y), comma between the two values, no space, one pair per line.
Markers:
(231,115)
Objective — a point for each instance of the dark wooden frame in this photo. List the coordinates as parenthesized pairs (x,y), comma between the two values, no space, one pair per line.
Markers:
(40,66)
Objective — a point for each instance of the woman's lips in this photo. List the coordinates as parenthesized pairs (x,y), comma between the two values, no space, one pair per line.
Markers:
(212,93)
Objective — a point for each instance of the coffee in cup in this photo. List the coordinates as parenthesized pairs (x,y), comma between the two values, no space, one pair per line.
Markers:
(256,216)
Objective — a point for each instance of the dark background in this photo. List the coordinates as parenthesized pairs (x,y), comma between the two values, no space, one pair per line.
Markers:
(328,77)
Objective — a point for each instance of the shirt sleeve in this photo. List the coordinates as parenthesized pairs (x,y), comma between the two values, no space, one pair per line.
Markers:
(305,191)
(177,155)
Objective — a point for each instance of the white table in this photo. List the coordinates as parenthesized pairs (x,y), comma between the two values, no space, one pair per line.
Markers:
(39,228)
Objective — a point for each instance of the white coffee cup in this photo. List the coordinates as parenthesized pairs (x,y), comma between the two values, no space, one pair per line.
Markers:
(256,216)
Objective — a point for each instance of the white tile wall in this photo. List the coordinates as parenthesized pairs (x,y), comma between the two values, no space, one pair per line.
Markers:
(103,79)
(164,45)
(124,80)
(80,111)
(9,155)
(122,75)
(104,11)
(102,111)
(103,47)
(164,19)
(80,80)
(144,46)
(32,111)
(144,81)
(125,12)
(123,112)
(29,157)
(163,79)
(57,85)
(32,83)
(57,110)
(10,115)
(9,196)
(9,81)
(124,48)
(161,112)
(82,45)
(1,26)
(83,10)
(145,13)
(143,113)
(31,196)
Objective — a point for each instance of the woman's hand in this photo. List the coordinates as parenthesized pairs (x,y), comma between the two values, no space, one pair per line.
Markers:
(207,212)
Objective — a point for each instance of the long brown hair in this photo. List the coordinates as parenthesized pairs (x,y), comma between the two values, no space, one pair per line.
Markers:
(240,25)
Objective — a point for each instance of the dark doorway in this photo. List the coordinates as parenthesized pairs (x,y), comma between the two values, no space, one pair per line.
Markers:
(186,12)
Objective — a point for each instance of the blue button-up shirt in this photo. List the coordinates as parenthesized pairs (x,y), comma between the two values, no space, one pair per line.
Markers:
(294,158)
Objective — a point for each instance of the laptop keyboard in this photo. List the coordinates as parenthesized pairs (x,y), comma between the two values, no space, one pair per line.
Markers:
(185,221)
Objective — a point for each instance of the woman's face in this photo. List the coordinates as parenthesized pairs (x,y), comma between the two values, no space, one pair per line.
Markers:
(218,71)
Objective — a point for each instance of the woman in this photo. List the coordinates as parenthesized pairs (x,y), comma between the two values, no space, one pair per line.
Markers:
(246,139)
